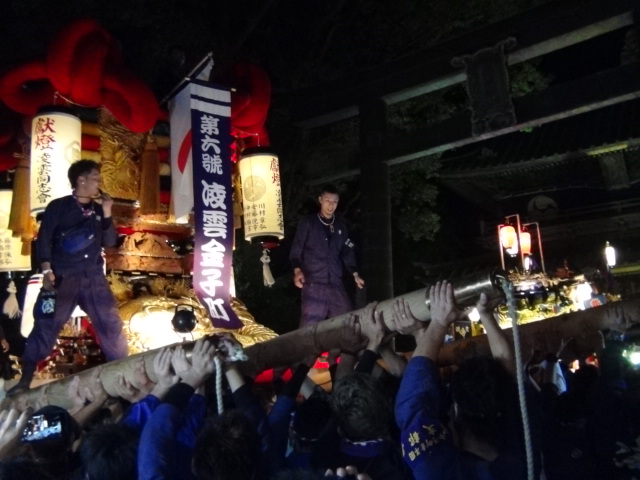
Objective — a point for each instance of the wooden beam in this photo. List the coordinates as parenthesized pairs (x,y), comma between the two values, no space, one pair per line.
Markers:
(539,31)
(589,93)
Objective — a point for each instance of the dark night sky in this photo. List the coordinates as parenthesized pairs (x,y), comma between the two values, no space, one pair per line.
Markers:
(277,38)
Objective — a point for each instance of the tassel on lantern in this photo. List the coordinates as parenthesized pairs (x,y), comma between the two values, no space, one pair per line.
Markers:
(150,178)
(20,215)
(266,271)
(11,307)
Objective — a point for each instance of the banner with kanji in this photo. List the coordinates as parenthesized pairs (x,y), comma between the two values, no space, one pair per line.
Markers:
(212,200)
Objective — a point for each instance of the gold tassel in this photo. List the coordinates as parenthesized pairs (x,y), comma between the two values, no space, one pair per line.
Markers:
(236,183)
(20,216)
(150,178)
(28,236)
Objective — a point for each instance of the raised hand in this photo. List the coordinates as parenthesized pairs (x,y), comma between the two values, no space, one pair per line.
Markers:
(372,326)
(75,395)
(140,378)
(348,472)
(404,321)
(12,424)
(165,375)
(93,389)
(444,310)
(351,334)
(125,389)
(195,373)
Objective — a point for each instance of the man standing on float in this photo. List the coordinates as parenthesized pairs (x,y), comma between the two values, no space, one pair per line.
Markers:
(72,233)
(320,253)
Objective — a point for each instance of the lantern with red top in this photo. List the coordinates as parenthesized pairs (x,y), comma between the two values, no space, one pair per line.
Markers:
(516,239)
(262,202)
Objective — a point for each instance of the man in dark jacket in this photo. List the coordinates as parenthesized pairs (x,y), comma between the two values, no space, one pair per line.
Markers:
(72,233)
(320,252)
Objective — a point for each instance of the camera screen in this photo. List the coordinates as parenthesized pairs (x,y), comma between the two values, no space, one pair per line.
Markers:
(42,427)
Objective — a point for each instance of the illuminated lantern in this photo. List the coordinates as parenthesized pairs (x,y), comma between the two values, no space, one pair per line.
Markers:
(56,136)
(610,254)
(525,242)
(508,237)
(11,258)
(262,196)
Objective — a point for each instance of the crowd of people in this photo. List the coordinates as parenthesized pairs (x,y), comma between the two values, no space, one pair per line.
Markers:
(385,417)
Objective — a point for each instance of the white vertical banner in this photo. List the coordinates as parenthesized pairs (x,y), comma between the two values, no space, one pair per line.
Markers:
(181,154)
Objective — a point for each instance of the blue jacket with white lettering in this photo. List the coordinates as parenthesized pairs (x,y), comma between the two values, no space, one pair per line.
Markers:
(427,444)
(320,254)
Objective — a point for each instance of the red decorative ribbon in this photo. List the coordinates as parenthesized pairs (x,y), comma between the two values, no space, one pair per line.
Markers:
(85,66)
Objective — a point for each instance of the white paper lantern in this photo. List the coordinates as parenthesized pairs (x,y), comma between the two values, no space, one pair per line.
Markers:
(261,195)
(11,258)
(56,137)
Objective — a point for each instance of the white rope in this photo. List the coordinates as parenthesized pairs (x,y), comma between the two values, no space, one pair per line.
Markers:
(233,352)
(507,286)
(219,374)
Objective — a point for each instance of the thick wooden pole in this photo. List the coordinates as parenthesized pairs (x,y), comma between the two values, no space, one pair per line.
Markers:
(293,346)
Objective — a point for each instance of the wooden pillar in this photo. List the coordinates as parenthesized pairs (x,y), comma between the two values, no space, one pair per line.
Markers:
(377,266)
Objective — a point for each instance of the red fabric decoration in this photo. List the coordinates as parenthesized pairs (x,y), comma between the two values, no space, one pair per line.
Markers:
(250,104)
(77,60)
(130,101)
(84,66)
(91,143)
(26,88)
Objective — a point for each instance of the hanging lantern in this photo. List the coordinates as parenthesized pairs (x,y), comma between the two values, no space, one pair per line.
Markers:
(11,258)
(262,197)
(525,242)
(508,237)
(610,254)
(55,144)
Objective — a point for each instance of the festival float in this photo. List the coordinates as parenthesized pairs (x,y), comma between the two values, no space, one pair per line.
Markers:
(81,101)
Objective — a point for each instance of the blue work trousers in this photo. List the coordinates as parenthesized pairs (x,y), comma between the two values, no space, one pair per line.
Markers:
(91,291)
(321,301)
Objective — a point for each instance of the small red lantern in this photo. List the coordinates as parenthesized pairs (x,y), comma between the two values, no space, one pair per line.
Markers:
(525,242)
(508,237)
